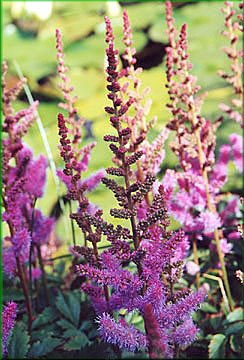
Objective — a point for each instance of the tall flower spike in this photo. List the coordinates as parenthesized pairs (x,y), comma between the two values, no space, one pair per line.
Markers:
(137,121)
(23,182)
(8,319)
(76,158)
(69,100)
(195,136)
(149,287)
(9,95)
(233,31)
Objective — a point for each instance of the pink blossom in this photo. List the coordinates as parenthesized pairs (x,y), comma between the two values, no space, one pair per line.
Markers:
(94,180)
(42,227)
(237,150)
(36,177)
(192,268)
(9,261)
(210,221)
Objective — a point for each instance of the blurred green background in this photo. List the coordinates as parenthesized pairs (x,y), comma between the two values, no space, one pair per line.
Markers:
(29,39)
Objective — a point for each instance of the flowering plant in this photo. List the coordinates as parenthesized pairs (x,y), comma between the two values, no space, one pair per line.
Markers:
(138,294)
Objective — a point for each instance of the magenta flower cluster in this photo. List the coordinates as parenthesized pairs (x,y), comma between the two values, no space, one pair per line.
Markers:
(139,272)
(133,276)
(8,320)
(23,183)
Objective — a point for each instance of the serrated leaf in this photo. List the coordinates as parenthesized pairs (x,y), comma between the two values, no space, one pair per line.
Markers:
(11,294)
(49,314)
(19,343)
(48,330)
(42,348)
(65,324)
(235,315)
(63,307)
(85,325)
(216,347)
(77,342)
(208,308)
(74,306)
(235,328)
(70,333)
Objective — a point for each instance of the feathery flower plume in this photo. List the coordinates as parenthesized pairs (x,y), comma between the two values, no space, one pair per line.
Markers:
(23,182)
(8,319)
(233,31)
(194,196)
(156,255)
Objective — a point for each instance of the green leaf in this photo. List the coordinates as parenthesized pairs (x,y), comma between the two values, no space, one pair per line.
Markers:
(70,333)
(49,314)
(216,347)
(74,305)
(236,343)
(86,325)
(43,332)
(235,315)
(65,324)
(77,342)
(19,343)
(63,307)
(11,294)
(208,308)
(42,348)
(216,321)
(235,328)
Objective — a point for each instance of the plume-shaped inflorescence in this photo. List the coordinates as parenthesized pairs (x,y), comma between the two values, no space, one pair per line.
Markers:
(194,192)
(233,32)
(8,319)
(23,183)
(76,158)
(145,260)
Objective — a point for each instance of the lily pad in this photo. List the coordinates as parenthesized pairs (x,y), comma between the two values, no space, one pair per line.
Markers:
(142,15)
(75,19)
(90,52)
(30,54)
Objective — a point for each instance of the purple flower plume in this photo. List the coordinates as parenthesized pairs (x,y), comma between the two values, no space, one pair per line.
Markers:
(185,333)
(119,333)
(8,319)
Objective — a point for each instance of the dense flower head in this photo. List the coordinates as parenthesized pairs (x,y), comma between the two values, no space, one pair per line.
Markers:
(42,227)
(185,333)
(127,337)
(8,319)
(9,261)
(181,310)
(21,243)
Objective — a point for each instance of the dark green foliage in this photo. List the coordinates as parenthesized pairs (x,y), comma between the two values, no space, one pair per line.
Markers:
(42,348)
(19,342)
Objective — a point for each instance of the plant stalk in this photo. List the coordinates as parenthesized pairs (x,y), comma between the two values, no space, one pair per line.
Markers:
(196,260)
(44,278)
(212,208)
(26,292)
